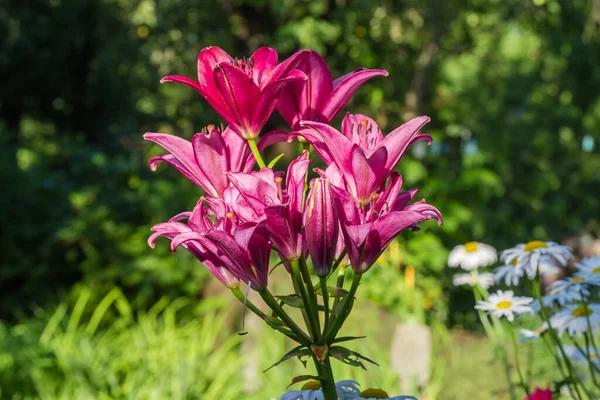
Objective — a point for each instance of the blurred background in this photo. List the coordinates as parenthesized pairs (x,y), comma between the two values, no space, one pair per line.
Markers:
(89,311)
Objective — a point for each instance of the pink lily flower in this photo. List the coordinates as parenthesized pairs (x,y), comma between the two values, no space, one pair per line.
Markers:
(321,226)
(261,198)
(540,394)
(362,155)
(207,159)
(243,91)
(369,229)
(241,254)
(320,98)
(197,222)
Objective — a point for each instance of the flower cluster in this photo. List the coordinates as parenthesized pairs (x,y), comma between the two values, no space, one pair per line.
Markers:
(346,390)
(346,214)
(568,311)
(471,257)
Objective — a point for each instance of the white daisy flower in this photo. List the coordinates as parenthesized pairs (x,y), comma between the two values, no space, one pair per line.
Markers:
(588,267)
(311,390)
(574,319)
(504,303)
(527,334)
(548,257)
(473,278)
(375,394)
(565,291)
(472,255)
(512,272)
(585,356)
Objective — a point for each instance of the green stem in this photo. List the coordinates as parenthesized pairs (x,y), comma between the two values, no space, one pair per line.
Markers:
(556,339)
(591,365)
(326,378)
(302,309)
(308,305)
(338,261)
(345,307)
(483,317)
(516,350)
(256,153)
(323,282)
(312,293)
(339,283)
(272,302)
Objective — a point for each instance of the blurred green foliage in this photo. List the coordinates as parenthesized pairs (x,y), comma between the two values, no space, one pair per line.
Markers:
(511,87)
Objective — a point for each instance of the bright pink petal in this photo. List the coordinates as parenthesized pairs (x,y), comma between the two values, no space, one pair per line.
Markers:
(294,184)
(182,157)
(344,88)
(257,188)
(208,58)
(321,226)
(331,145)
(185,80)
(211,156)
(367,174)
(239,94)
(400,138)
(363,131)
(272,137)
(303,100)
(238,152)
(264,61)
(268,98)
(170,159)
(284,68)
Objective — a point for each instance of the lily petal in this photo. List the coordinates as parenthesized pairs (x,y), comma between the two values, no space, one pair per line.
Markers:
(400,138)
(345,87)
(265,60)
(239,93)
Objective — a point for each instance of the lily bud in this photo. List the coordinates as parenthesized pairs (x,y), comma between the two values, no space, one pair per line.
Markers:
(321,226)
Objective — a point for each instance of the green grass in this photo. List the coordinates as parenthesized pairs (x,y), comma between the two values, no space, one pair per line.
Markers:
(180,350)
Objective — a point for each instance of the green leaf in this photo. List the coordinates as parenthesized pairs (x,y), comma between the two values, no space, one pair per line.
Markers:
(292,300)
(349,357)
(295,352)
(347,338)
(273,161)
(333,291)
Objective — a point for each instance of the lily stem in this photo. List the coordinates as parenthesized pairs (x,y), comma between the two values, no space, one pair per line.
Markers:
(272,303)
(345,305)
(256,153)
(326,378)
(308,305)
(325,292)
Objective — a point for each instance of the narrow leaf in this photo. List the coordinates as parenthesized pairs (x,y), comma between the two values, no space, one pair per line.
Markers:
(292,353)
(273,161)
(292,300)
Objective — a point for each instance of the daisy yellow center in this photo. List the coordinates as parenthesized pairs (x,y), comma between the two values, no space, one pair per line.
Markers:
(470,247)
(582,311)
(535,244)
(577,279)
(374,394)
(596,270)
(504,304)
(311,385)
